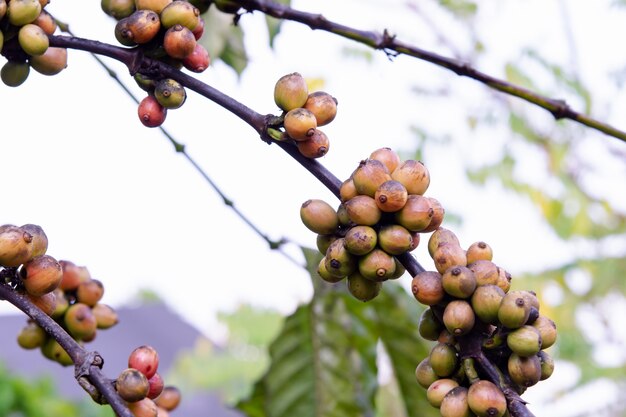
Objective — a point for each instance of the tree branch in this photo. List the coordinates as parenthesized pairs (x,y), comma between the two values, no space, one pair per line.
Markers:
(87,364)
(392,46)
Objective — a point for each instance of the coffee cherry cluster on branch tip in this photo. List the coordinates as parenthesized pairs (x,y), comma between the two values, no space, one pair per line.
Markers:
(469,296)
(143,388)
(303,113)
(64,291)
(24,29)
(382,213)
(166,30)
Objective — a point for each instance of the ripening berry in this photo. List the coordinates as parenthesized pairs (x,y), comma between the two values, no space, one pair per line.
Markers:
(170,93)
(486,301)
(291,92)
(145,359)
(458,317)
(459,281)
(504,280)
(416,214)
(14,73)
(179,42)
(62,304)
(315,146)
(169,398)
(41,275)
(40,240)
(90,292)
(328,276)
(32,39)
(479,251)
(144,408)
(525,341)
(424,373)
(363,210)
(438,390)
(46,303)
(438,214)
(150,112)
(16,244)
(53,61)
(198,31)
(323,106)
(427,287)
(413,175)
(143,26)
(454,404)
(180,13)
(347,190)
(323,241)
(486,272)
(377,265)
(387,156)
(105,315)
(394,239)
(524,371)
(391,196)
(197,61)
(22,12)
(449,255)
(514,310)
(486,400)
(439,237)
(3,8)
(362,288)
(80,321)
(319,216)
(132,385)
(72,276)
(547,365)
(156,6)
(300,124)
(369,176)
(547,329)
(118,9)
(156,386)
(360,240)
(338,260)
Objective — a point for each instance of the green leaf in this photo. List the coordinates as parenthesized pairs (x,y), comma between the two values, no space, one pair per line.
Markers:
(273,24)
(323,363)
(224,40)
(397,318)
(460,8)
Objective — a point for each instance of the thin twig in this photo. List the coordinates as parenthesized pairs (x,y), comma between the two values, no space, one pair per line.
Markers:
(392,46)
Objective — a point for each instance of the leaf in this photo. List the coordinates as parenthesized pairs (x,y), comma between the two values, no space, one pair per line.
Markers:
(323,362)
(273,24)
(460,8)
(397,318)
(224,40)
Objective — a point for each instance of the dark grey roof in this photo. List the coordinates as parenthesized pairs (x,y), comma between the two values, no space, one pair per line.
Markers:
(153,324)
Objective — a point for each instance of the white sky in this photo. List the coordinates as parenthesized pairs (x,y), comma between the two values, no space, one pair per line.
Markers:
(112,195)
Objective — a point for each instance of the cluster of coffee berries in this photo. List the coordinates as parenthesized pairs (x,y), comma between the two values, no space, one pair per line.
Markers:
(143,388)
(24,30)
(64,291)
(166,30)
(383,210)
(470,303)
(303,113)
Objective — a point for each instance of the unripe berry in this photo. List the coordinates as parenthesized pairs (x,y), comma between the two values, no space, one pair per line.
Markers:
(132,385)
(105,315)
(377,265)
(391,196)
(16,245)
(525,341)
(547,329)
(179,42)
(46,303)
(479,251)
(360,240)
(180,13)
(388,157)
(524,371)
(90,292)
(449,255)
(319,216)
(22,12)
(514,310)
(323,241)
(486,303)
(458,317)
(438,215)
(3,8)
(52,350)
(347,190)
(169,398)
(413,175)
(504,280)
(443,359)
(53,61)
(363,210)
(427,287)
(339,261)
(362,288)
(33,40)
(429,325)
(31,336)
(80,321)
(454,404)
(150,112)
(459,281)
(416,214)
(369,176)
(300,124)
(144,408)
(486,400)
(145,359)
(118,9)
(14,73)
(41,275)
(40,240)
(547,365)
(62,304)
(227,6)
(143,26)
(156,6)
(323,106)
(438,390)
(291,92)
(394,239)
(424,373)
(197,61)
(440,237)
(486,272)
(328,276)
(316,146)
(170,93)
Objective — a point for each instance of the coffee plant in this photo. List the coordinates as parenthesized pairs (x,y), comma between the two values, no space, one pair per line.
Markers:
(489,341)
